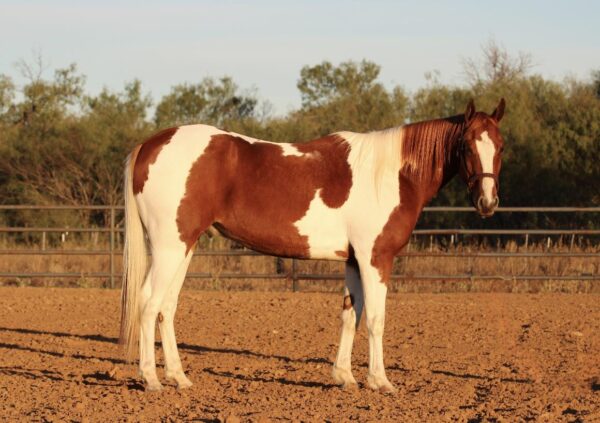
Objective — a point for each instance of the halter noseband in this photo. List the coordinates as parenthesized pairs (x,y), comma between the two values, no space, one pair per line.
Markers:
(473,180)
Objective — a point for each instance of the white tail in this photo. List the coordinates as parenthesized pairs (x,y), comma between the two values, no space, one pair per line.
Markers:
(134,265)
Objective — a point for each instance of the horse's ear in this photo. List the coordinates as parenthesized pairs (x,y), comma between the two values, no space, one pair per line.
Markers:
(499,111)
(470,112)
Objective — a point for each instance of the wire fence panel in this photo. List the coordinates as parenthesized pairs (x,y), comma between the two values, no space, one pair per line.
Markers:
(111,271)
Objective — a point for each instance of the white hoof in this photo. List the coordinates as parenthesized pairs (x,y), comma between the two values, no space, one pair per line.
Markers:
(381,384)
(344,377)
(153,387)
(179,377)
(151,380)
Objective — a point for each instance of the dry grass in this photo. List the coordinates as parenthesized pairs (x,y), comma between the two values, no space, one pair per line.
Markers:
(217,266)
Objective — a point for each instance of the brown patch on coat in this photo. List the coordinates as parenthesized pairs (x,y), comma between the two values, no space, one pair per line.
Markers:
(160,317)
(348,302)
(341,253)
(396,232)
(253,193)
(147,155)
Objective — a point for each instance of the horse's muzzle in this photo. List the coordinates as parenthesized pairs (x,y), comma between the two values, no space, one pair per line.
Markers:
(485,208)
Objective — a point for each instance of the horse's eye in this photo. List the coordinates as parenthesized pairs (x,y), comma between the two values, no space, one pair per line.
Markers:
(501,150)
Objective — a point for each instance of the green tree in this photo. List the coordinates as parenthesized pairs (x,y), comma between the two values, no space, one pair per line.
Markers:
(111,124)
(7,94)
(214,102)
(346,97)
(63,147)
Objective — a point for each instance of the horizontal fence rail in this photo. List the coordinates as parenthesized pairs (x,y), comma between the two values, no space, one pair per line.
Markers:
(293,274)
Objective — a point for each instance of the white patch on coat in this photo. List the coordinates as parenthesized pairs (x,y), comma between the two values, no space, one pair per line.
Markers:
(165,187)
(369,205)
(486,150)
(288,149)
(373,196)
(324,227)
(378,151)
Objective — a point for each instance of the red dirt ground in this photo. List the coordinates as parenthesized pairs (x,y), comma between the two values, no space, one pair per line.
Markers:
(264,356)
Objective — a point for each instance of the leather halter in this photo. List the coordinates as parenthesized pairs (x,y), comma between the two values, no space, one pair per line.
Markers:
(473,179)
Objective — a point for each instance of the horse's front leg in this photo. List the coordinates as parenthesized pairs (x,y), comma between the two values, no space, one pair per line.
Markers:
(375,291)
(351,313)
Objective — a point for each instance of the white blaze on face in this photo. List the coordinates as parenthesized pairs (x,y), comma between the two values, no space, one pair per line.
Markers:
(486,150)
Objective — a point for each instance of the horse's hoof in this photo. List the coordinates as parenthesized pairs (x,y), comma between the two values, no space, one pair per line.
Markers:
(180,378)
(153,387)
(184,384)
(387,389)
(343,377)
(350,386)
(381,384)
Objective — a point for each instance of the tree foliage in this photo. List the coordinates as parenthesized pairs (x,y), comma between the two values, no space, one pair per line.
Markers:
(214,102)
(59,145)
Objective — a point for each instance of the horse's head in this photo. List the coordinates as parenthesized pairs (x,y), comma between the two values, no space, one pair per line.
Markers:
(480,154)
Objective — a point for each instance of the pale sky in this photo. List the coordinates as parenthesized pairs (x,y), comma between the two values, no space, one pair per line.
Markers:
(264,44)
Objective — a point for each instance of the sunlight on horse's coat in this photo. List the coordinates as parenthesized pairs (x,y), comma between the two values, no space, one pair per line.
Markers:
(345,196)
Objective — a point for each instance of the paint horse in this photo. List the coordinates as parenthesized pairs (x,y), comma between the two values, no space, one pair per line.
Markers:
(347,196)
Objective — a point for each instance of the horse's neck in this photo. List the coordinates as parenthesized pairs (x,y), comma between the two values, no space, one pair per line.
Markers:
(425,190)
(432,155)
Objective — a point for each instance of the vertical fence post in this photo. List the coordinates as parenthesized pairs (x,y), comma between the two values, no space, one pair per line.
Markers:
(112,246)
(572,242)
(294,276)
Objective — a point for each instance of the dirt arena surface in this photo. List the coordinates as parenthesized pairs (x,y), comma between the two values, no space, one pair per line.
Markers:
(256,356)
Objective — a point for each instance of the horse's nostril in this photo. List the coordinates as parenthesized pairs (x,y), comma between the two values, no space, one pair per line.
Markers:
(480,203)
(496,202)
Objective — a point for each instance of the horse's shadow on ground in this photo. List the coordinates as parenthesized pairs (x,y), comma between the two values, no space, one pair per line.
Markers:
(280,380)
(198,349)
(182,346)
(99,378)
(102,379)
(96,337)
(90,379)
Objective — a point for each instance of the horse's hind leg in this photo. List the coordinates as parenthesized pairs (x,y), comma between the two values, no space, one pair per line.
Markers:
(173,368)
(165,265)
(351,313)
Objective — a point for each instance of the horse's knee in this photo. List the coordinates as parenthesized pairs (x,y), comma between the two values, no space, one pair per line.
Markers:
(375,325)
(150,310)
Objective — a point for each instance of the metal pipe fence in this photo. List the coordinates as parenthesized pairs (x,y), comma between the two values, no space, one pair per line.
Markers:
(293,275)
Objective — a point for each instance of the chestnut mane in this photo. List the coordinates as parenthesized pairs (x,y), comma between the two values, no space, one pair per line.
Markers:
(430,145)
